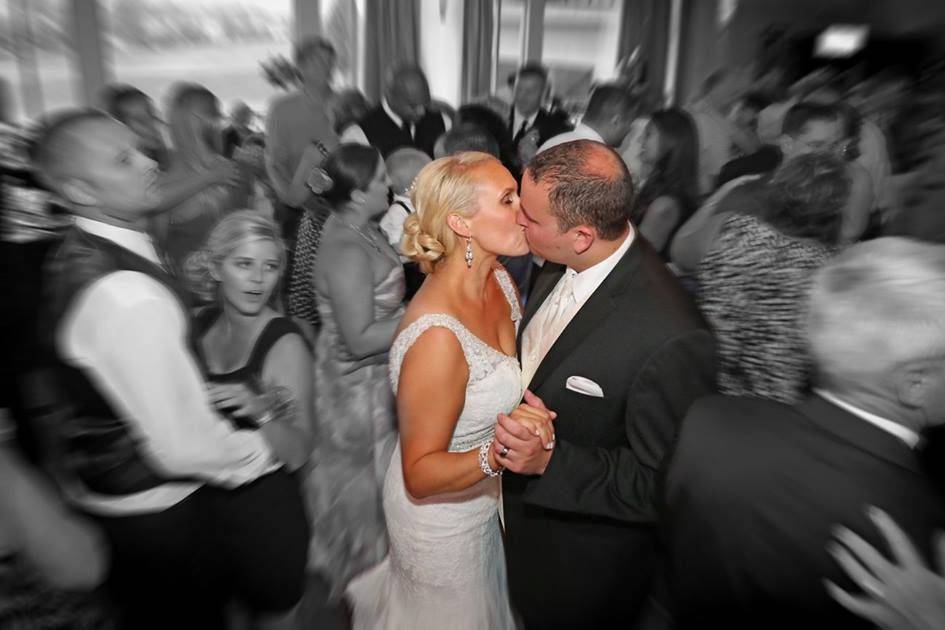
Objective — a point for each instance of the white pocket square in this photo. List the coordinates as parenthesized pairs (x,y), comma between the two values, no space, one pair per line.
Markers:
(584,386)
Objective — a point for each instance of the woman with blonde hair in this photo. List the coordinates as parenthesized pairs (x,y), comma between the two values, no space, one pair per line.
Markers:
(258,369)
(194,125)
(453,369)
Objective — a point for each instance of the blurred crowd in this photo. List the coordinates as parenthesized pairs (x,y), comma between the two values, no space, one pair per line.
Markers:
(766,197)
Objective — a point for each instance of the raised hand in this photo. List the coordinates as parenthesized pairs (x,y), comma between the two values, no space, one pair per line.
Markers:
(902,594)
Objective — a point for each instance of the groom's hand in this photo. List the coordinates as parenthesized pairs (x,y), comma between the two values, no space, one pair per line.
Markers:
(524,439)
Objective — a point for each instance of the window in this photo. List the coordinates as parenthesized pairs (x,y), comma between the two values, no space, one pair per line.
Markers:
(219,44)
(36,56)
(510,24)
(343,23)
(581,41)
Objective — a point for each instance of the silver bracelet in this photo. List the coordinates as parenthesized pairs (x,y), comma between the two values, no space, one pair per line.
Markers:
(484,461)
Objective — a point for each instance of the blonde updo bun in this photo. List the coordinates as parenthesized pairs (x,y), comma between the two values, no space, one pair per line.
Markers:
(443,187)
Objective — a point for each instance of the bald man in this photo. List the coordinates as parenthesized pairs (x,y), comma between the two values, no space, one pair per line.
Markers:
(756,487)
(149,458)
(404,117)
(612,343)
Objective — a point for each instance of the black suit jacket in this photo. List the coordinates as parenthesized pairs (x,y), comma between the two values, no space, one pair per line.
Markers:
(548,125)
(753,490)
(580,539)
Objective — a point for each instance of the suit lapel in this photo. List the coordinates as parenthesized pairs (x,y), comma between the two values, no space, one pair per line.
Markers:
(601,303)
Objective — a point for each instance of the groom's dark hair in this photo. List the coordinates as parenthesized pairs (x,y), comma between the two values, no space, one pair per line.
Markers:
(589,185)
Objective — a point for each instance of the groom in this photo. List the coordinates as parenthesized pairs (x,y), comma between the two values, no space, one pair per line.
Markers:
(613,344)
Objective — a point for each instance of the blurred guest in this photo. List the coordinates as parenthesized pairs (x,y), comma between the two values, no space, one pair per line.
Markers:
(132,107)
(347,107)
(487,119)
(239,129)
(50,559)
(807,128)
(868,143)
(466,137)
(753,279)
(404,118)
(607,119)
(136,110)
(256,360)
(756,488)
(403,165)
(530,125)
(745,111)
(668,197)
(402,168)
(299,132)
(147,456)
(717,134)
(195,129)
(359,283)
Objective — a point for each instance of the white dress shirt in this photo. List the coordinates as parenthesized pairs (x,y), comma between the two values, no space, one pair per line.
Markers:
(128,332)
(392,223)
(354,134)
(907,435)
(553,316)
(580,132)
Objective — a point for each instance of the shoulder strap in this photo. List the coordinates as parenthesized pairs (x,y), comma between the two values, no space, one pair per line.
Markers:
(508,288)
(276,329)
(409,335)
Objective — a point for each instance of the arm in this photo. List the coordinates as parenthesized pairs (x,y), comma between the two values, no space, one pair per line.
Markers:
(621,483)
(353,134)
(856,212)
(289,365)
(67,551)
(430,398)
(173,193)
(696,235)
(351,290)
(658,222)
(129,332)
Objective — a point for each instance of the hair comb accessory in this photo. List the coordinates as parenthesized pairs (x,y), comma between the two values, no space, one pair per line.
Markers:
(319,181)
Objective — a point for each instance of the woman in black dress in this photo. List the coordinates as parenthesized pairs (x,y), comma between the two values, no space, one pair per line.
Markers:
(259,369)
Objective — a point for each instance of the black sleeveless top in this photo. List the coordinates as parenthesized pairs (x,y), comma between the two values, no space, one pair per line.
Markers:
(249,374)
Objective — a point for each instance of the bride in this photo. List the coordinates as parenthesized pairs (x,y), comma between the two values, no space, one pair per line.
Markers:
(453,369)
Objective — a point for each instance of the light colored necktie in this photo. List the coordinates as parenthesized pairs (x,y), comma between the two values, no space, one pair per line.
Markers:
(543,333)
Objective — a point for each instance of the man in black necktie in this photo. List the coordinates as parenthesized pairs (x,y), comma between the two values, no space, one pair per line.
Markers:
(529,122)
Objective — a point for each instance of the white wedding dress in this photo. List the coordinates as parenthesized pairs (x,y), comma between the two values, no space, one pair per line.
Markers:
(446,566)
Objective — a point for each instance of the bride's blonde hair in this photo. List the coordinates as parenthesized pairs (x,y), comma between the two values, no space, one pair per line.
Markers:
(443,187)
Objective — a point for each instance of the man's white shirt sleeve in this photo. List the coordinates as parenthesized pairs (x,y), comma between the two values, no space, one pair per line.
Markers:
(128,331)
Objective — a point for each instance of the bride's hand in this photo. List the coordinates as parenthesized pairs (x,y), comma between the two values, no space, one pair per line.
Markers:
(538,419)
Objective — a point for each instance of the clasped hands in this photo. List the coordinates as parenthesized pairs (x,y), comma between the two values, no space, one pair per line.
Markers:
(525,438)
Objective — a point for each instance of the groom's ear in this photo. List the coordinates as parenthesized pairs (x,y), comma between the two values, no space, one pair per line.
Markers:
(583,237)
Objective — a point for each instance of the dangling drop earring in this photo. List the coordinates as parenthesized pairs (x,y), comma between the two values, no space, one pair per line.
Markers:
(469,252)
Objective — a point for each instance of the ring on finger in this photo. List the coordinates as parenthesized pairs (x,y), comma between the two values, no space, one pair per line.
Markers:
(504,451)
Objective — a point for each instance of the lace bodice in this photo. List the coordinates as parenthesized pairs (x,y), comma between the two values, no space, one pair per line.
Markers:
(495,382)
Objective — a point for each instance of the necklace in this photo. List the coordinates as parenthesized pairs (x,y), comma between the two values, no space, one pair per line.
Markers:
(370,240)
